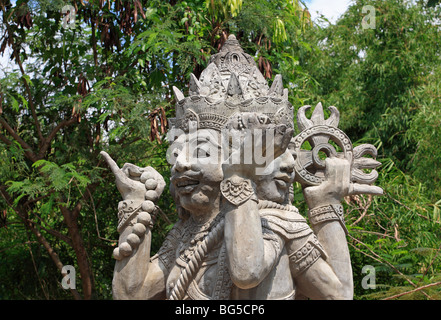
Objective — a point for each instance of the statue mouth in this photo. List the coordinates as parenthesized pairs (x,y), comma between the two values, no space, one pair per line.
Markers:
(185,184)
(283,180)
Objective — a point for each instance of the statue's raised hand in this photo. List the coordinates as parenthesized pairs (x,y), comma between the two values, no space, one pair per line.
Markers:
(135,183)
(255,142)
(139,188)
(337,184)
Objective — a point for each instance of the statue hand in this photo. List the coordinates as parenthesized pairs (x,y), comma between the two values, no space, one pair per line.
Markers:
(257,141)
(337,185)
(133,182)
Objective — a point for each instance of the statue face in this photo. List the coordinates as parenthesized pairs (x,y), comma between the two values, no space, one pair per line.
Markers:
(197,171)
(275,185)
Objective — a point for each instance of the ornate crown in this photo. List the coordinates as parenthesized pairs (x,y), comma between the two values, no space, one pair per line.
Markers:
(231,84)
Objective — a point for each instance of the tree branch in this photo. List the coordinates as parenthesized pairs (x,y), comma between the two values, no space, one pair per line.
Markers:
(95,54)
(96,220)
(5,140)
(52,253)
(44,142)
(35,268)
(55,233)
(28,89)
(41,239)
(47,141)
(27,149)
(414,290)
(381,260)
(80,252)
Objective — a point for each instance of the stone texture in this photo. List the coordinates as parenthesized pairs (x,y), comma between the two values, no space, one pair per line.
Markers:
(238,236)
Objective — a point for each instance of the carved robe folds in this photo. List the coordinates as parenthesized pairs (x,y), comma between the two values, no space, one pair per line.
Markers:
(281,225)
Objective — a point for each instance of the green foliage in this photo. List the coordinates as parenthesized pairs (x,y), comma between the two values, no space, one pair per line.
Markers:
(385,82)
(374,75)
(398,235)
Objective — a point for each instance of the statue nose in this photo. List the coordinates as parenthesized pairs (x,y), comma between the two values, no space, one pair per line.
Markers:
(182,162)
(287,167)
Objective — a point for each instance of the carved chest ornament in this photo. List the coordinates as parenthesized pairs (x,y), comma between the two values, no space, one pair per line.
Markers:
(237,190)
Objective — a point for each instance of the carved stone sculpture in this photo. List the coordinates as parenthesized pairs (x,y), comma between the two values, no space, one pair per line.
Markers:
(234,160)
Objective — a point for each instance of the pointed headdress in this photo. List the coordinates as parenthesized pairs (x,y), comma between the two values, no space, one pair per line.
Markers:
(231,84)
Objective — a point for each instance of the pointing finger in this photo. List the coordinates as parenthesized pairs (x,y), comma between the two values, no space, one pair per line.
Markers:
(113,166)
(357,188)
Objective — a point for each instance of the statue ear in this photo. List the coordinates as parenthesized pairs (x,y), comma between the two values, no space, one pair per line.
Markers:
(182,213)
(291,194)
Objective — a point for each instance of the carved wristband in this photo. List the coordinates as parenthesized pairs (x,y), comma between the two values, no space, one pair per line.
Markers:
(332,212)
(129,209)
(305,256)
(144,215)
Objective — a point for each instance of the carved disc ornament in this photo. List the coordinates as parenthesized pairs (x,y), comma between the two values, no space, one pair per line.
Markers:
(323,135)
(318,132)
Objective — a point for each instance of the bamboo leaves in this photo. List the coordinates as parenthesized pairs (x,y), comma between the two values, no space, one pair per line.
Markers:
(279,34)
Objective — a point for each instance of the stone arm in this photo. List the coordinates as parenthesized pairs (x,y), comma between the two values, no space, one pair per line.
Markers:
(249,257)
(327,221)
(316,274)
(135,276)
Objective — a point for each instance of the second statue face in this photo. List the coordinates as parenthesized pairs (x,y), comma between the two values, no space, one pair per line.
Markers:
(274,186)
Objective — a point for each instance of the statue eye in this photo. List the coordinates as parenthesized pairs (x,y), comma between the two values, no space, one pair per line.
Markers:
(202,153)
(175,152)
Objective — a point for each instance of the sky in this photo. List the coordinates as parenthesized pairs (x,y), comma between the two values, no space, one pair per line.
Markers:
(331,9)
(5,63)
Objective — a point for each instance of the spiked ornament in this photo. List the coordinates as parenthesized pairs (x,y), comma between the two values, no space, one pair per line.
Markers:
(231,84)
(323,137)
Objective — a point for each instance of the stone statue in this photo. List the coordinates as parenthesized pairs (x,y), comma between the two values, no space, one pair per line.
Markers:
(234,163)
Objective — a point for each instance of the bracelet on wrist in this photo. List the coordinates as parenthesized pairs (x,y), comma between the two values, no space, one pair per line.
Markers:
(144,215)
(332,212)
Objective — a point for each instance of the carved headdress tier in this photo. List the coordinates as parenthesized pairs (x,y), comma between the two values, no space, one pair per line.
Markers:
(231,84)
